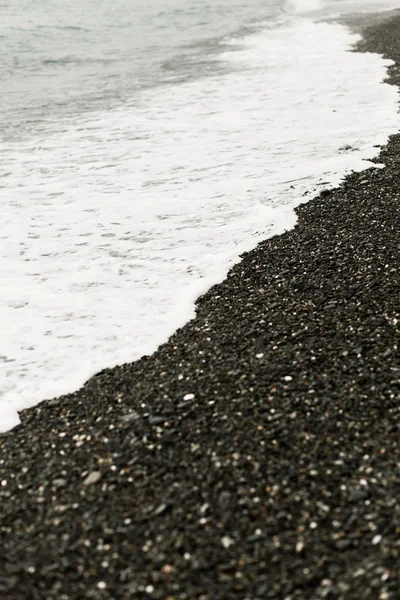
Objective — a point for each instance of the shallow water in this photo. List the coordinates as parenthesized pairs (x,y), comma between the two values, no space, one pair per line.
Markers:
(143,147)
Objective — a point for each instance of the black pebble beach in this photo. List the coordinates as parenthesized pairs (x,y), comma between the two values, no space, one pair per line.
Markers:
(254,456)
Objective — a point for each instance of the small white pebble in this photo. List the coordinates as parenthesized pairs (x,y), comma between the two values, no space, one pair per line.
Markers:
(92,478)
(299,546)
(102,585)
(288,378)
(359,573)
(149,589)
(188,397)
(227,541)
(260,355)
(376,539)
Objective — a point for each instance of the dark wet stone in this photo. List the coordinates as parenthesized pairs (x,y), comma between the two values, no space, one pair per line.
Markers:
(357,495)
(325,193)
(130,417)
(330,307)
(342,544)
(156,420)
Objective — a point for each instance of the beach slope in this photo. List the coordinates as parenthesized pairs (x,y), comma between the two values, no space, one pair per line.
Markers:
(256,454)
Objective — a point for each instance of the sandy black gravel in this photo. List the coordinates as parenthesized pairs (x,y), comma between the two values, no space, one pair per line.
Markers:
(256,455)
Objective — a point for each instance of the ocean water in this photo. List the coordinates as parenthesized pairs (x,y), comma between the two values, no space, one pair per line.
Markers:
(144,146)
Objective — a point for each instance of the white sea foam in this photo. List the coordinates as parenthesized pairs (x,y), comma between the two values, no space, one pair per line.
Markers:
(303,6)
(113,222)
(336,8)
(341,7)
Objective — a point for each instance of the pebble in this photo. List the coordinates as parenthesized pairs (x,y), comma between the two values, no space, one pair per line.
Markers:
(92,478)
(376,539)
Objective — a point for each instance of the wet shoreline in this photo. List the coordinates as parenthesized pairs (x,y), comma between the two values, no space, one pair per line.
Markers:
(255,455)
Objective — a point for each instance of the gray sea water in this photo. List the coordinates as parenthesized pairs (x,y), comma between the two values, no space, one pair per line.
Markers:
(62,57)
(143,147)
